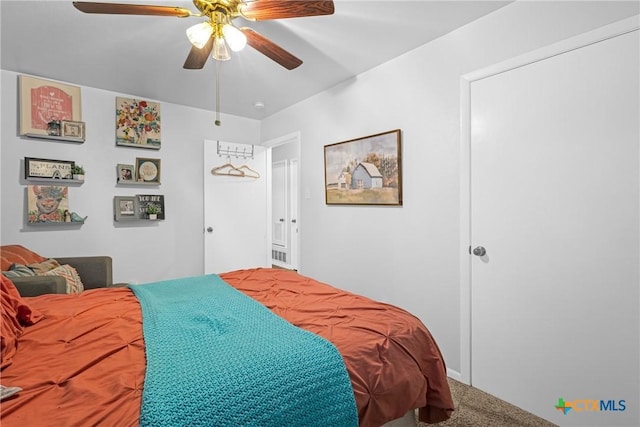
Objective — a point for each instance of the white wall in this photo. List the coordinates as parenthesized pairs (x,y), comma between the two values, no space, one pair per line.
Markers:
(409,256)
(141,251)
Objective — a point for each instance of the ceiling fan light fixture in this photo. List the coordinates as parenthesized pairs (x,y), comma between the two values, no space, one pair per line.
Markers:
(220,51)
(199,34)
(234,37)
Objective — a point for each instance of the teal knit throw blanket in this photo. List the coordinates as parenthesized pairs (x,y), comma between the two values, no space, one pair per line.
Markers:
(216,357)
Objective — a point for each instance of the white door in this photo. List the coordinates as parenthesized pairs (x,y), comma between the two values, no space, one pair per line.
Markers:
(235,213)
(554,185)
(279,204)
(284,201)
(293,213)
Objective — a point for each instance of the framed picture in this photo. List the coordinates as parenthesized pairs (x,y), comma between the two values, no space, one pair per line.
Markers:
(71,129)
(144,201)
(126,173)
(364,171)
(147,170)
(124,208)
(43,102)
(47,169)
(47,203)
(137,123)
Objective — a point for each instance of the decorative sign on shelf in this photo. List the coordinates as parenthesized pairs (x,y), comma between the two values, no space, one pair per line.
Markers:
(149,203)
(43,101)
(148,170)
(48,169)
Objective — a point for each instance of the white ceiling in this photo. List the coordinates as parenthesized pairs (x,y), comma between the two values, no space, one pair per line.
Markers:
(143,55)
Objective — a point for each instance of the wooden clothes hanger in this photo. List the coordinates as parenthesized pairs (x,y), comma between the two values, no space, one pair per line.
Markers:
(248,172)
(227,170)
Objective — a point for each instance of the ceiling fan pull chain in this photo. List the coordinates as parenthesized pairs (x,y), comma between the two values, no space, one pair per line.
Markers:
(217,122)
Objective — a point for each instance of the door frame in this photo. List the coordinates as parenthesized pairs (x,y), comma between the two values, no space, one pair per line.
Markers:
(293,137)
(604,33)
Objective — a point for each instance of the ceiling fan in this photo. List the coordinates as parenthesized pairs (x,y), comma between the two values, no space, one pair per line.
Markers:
(218,32)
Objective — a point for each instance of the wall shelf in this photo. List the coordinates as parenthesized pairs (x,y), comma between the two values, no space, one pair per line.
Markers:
(53,223)
(134,183)
(137,220)
(56,138)
(56,181)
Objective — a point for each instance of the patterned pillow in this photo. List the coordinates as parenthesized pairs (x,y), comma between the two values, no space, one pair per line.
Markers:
(74,284)
(18,270)
(41,267)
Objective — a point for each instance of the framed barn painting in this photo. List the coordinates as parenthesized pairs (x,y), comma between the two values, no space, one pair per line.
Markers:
(364,171)
(43,102)
(137,123)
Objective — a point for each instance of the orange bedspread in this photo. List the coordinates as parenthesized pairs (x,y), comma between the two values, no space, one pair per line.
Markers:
(84,363)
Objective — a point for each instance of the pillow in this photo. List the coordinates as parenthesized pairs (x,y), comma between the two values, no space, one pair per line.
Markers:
(46,265)
(74,284)
(17,254)
(18,270)
(15,314)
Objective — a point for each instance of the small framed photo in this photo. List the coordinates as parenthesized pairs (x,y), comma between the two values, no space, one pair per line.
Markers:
(71,129)
(126,173)
(148,170)
(124,208)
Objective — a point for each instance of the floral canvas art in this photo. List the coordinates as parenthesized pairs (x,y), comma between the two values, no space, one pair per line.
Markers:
(137,123)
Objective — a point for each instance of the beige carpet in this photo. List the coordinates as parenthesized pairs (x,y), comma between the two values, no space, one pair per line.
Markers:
(475,408)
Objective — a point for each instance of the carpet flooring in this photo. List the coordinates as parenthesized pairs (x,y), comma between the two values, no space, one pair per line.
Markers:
(475,408)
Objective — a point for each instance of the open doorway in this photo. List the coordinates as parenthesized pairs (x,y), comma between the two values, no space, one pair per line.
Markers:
(284,209)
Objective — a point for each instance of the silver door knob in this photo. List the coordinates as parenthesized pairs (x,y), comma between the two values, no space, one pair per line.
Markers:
(479,251)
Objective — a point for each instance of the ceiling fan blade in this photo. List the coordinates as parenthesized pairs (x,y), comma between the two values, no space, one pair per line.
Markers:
(270,49)
(130,9)
(198,57)
(260,10)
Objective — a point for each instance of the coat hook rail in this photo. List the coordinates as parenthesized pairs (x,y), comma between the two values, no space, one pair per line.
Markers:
(229,150)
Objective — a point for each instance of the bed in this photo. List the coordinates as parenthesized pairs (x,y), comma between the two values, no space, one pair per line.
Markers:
(80,359)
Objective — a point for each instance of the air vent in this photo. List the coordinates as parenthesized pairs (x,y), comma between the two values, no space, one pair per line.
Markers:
(279,255)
